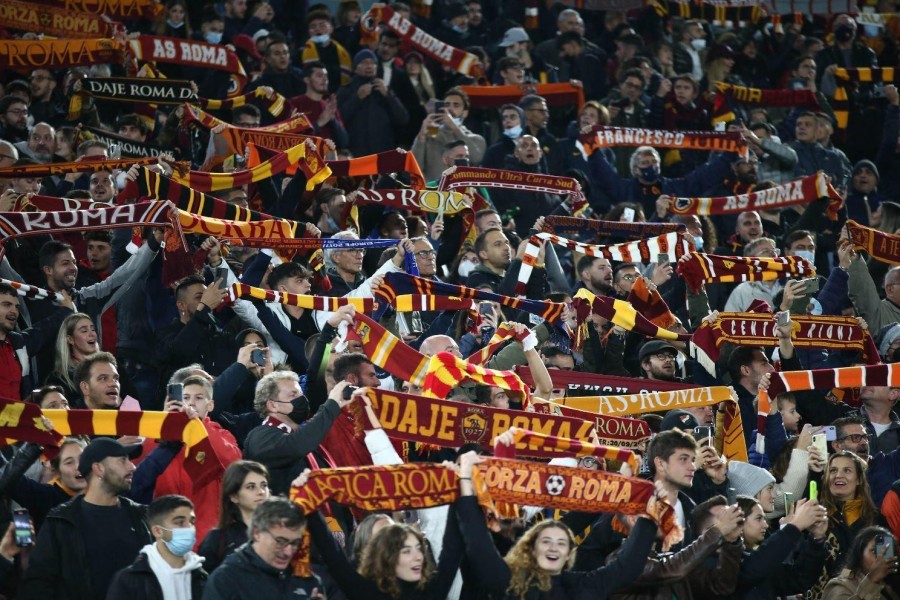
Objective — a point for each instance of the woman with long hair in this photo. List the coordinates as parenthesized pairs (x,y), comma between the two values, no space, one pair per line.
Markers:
(539,562)
(77,339)
(365,531)
(397,564)
(845,494)
(866,568)
(174,22)
(244,485)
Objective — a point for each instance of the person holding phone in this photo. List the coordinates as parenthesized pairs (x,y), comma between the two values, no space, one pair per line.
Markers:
(447,120)
(871,559)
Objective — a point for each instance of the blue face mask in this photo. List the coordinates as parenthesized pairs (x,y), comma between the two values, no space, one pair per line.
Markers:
(698,242)
(513,132)
(183,539)
(807,254)
(173,25)
(650,173)
(213,37)
(321,39)
(816,308)
(459,29)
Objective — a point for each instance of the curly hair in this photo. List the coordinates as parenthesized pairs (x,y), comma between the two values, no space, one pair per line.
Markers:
(869,512)
(379,558)
(523,565)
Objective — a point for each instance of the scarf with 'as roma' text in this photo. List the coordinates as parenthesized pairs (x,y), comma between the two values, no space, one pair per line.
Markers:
(732,269)
(59,54)
(191,53)
(621,432)
(56,22)
(727,94)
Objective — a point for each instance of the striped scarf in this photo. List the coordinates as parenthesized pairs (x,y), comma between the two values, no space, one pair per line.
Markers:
(21,421)
(194,114)
(449,424)
(495,96)
(603,136)
(85,165)
(323,303)
(618,312)
(650,304)
(884,247)
(579,381)
(594,229)
(845,78)
(445,371)
(504,333)
(386,350)
(719,12)
(565,447)
(274,103)
(310,55)
(33,292)
(192,53)
(727,94)
(304,154)
(826,379)
(396,284)
(734,445)
(730,269)
(59,54)
(758,329)
(800,191)
(673,244)
(391,161)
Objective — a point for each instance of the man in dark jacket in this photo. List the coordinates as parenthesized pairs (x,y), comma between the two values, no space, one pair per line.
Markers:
(261,568)
(492,248)
(280,74)
(167,567)
(85,541)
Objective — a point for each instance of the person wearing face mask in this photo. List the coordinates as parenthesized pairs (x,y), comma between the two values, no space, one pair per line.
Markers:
(429,146)
(321,47)
(511,120)
(686,53)
(175,24)
(167,568)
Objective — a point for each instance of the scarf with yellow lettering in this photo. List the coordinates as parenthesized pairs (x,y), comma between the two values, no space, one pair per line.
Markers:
(445,371)
(603,136)
(85,165)
(52,203)
(826,379)
(594,229)
(128,9)
(673,244)
(884,247)
(196,115)
(59,54)
(621,432)
(733,444)
(304,155)
(595,382)
(727,94)
(799,191)
(127,146)
(495,96)
(21,422)
(619,313)
(274,137)
(758,329)
(650,303)
(846,78)
(391,161)
(451,424)
(463,177)
(414,37)
(130,89)
(707,268)
(325,303)
(192,53)
(56,22)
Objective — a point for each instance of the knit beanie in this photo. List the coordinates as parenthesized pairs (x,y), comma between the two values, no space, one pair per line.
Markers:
(362,55)
(746,479)
(870,166)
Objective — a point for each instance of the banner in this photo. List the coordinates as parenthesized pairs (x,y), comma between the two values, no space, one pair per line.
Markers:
(28,55)
(57,22)
(191,53)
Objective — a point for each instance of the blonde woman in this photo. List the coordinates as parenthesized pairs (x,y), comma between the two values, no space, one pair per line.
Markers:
(77,338)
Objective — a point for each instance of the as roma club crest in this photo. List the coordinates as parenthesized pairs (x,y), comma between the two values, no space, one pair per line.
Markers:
(473,424)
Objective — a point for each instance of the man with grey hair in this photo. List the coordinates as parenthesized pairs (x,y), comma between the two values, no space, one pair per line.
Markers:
(280,442)
(568,20)
(262,568)
(41,143)
(744,294)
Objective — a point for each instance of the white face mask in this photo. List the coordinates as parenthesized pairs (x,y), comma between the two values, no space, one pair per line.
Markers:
(698,44)
(456,121)
(321,39)
(698,242)
(513,132)
(807,254)
(465,268)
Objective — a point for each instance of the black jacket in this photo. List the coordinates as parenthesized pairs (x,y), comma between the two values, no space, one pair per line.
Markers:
(139,582)
(59,566)
(245,575)
(220,543)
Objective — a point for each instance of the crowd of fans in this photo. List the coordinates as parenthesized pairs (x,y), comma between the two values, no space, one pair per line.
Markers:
(123,518)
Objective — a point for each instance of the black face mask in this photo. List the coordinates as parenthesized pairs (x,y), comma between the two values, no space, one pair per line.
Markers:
(844,33)
(299,409)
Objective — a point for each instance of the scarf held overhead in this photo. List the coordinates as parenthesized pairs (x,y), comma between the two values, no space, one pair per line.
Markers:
(56,22)
(33,292)
(445,371)
(799,191)
(826,379)
(731,269)
(128,9)
(127,146)
(59,54)
(621,432)
(884,247)
(602,136)
(324,303)
(192,53)
(77,166)
(462,177)
(593,229)
(618,312)
(391,161)
(564,446)
(727,94)
(494,96)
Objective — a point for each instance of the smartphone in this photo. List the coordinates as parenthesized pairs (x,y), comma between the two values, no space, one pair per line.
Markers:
(662,259)
(813,491)
(702,432)
(175,391)
(485,308)
(23,527)
(410,517)
(820,441)
(222,277)
(883,543)
(788,502)
(439,106)
(628,215)
(784,317)
(115,152)
(258,357)
(830,432)
(732,496)
(348,391)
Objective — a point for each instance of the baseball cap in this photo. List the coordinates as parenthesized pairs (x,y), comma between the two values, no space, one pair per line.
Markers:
(102,448)
(513,35)
(654,346)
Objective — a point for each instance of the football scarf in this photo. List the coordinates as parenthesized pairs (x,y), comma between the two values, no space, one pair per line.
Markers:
(650,304)
(845,78)
(799,191)
(127,146)
(33,292)
(884,247)
(718,12)
(191,53)
(464,177)
(732,269)
(758,329)
(126,9)
(602,136)
(826,379)
(196,115)
(495,96)
(56,22)
(618,312)
(412,36)
(385,350)
(77,166)
(504,333)
(324,303)
(130,89)
(274,103)
(673,244)
(392,161)
(52,203)
(567,447)
(278,137)
(59,54)
(21,422)
(621,432)
(450,424)
(735,447)
(445,371)
(579,381)
(728,94)
(593,229)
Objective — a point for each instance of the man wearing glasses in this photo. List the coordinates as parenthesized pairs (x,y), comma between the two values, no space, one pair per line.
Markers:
(745,293)
(262,568)
(862,435)
(537,116)
(14,119)
(46,102)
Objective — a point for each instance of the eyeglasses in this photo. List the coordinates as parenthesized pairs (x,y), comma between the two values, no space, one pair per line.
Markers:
(664,356)
(18,111)
(282,543)
(854,437)
(425,254)
(354,251)
(588,462)
(632,85)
